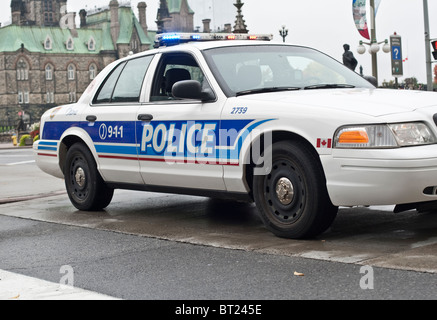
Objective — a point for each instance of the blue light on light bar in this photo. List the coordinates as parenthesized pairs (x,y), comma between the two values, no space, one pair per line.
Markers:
(171,37)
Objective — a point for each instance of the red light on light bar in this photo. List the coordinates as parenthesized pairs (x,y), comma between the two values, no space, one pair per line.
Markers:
(231,37)
(253,37)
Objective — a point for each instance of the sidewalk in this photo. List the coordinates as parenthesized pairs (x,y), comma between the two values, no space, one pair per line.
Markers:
(9,145)
(14,286)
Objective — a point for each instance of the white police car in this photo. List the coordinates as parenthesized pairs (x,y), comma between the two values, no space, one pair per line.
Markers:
(285,126)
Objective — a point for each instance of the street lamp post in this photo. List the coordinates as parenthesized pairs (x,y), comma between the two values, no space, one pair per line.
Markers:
(374,44)
(427,47)
(283,33)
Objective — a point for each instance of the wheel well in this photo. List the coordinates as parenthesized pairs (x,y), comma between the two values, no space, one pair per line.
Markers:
(276,137)
(66,144)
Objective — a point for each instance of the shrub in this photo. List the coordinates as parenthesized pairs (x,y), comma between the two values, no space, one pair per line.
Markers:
(23,139)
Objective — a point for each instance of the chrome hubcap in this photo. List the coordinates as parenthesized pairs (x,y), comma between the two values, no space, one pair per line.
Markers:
(80,177)
(284,191)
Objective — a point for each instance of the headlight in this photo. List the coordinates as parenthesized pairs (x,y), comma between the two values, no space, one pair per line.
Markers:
(384,136)
(412,134)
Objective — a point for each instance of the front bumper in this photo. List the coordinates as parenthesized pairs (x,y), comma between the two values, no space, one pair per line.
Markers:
(381,177)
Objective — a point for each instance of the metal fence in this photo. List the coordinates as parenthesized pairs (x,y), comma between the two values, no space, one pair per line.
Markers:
(6,126)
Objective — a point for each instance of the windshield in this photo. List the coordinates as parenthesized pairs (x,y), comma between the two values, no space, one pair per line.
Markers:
(257,69)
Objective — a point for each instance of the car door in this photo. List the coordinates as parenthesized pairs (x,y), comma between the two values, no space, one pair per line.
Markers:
(177,143)
(111,120)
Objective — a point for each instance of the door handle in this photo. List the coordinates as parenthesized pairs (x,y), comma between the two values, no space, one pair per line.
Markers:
(145,117)
(91,118)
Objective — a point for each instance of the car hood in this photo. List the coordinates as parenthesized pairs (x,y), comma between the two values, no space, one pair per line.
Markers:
(372,102)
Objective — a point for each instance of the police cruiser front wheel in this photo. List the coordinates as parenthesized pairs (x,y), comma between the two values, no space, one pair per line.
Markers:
(291,197)
(85,187)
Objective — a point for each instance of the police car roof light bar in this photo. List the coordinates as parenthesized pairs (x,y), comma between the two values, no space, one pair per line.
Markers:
(172,39)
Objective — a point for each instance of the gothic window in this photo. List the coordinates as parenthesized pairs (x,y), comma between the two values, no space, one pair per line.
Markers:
(71,70)
(48,43)
(22,71)
(91,44)
(93,71)
(70,44)
(49,72)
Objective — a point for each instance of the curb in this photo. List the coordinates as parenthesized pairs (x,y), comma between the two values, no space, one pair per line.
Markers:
(9,147)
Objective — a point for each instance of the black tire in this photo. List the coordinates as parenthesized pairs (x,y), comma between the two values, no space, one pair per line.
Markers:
(85,187)
(300,207)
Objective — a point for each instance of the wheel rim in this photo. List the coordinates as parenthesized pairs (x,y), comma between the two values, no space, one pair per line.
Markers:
(284,190)
(78,179)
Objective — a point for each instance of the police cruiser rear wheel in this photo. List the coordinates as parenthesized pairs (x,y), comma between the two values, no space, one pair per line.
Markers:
(292,198)
(85,187)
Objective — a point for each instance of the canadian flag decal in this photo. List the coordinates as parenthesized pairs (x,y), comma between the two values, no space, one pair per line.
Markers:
(324,143)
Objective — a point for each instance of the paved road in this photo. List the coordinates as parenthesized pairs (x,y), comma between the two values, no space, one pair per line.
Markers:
(131,267)
(21,179)
(159,246)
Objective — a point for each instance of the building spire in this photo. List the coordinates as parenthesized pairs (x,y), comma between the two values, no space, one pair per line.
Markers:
(240,23)
(163,16)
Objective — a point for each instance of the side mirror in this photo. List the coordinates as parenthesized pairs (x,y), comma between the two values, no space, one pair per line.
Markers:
(192,89)
(372,80)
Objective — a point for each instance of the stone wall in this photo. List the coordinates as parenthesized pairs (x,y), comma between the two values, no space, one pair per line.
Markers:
(36,84)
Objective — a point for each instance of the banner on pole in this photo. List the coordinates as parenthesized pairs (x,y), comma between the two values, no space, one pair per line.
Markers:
(360,17)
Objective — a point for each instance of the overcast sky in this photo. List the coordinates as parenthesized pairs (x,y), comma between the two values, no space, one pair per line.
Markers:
(324,25)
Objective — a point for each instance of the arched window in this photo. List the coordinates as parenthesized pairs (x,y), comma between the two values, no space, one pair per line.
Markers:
(22,70)
(91,44)
(93,71)
(70,44)
(49,72)
(71,70)
(48,43)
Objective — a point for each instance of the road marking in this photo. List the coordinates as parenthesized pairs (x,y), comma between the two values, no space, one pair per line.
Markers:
(18,287)
(19,163)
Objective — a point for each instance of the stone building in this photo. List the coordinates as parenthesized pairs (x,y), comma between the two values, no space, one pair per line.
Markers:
(46,61)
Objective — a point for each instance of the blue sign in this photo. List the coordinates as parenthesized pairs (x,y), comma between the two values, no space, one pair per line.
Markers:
(396,52)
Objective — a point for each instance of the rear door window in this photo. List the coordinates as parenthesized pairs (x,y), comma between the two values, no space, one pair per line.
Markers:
(125,82)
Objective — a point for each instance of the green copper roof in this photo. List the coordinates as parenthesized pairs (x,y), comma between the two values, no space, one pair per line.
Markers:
(33,38)
(98,28)
(174,6)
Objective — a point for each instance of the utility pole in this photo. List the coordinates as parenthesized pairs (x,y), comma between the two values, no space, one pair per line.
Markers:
(427,47)
(374,44)
(373,39)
